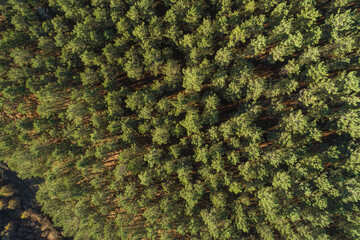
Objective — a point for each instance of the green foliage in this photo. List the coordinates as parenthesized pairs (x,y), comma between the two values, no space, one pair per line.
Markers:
(193,79)
(192,123)
(185,119)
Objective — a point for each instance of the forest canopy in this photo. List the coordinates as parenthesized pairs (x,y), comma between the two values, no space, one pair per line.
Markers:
(185,119)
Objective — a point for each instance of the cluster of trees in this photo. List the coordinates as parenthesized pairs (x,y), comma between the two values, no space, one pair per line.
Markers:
(185,119)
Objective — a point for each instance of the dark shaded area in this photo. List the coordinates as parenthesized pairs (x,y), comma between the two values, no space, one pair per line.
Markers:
(20,214)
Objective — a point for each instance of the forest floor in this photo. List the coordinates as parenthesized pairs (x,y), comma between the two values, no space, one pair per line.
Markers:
(25,221)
